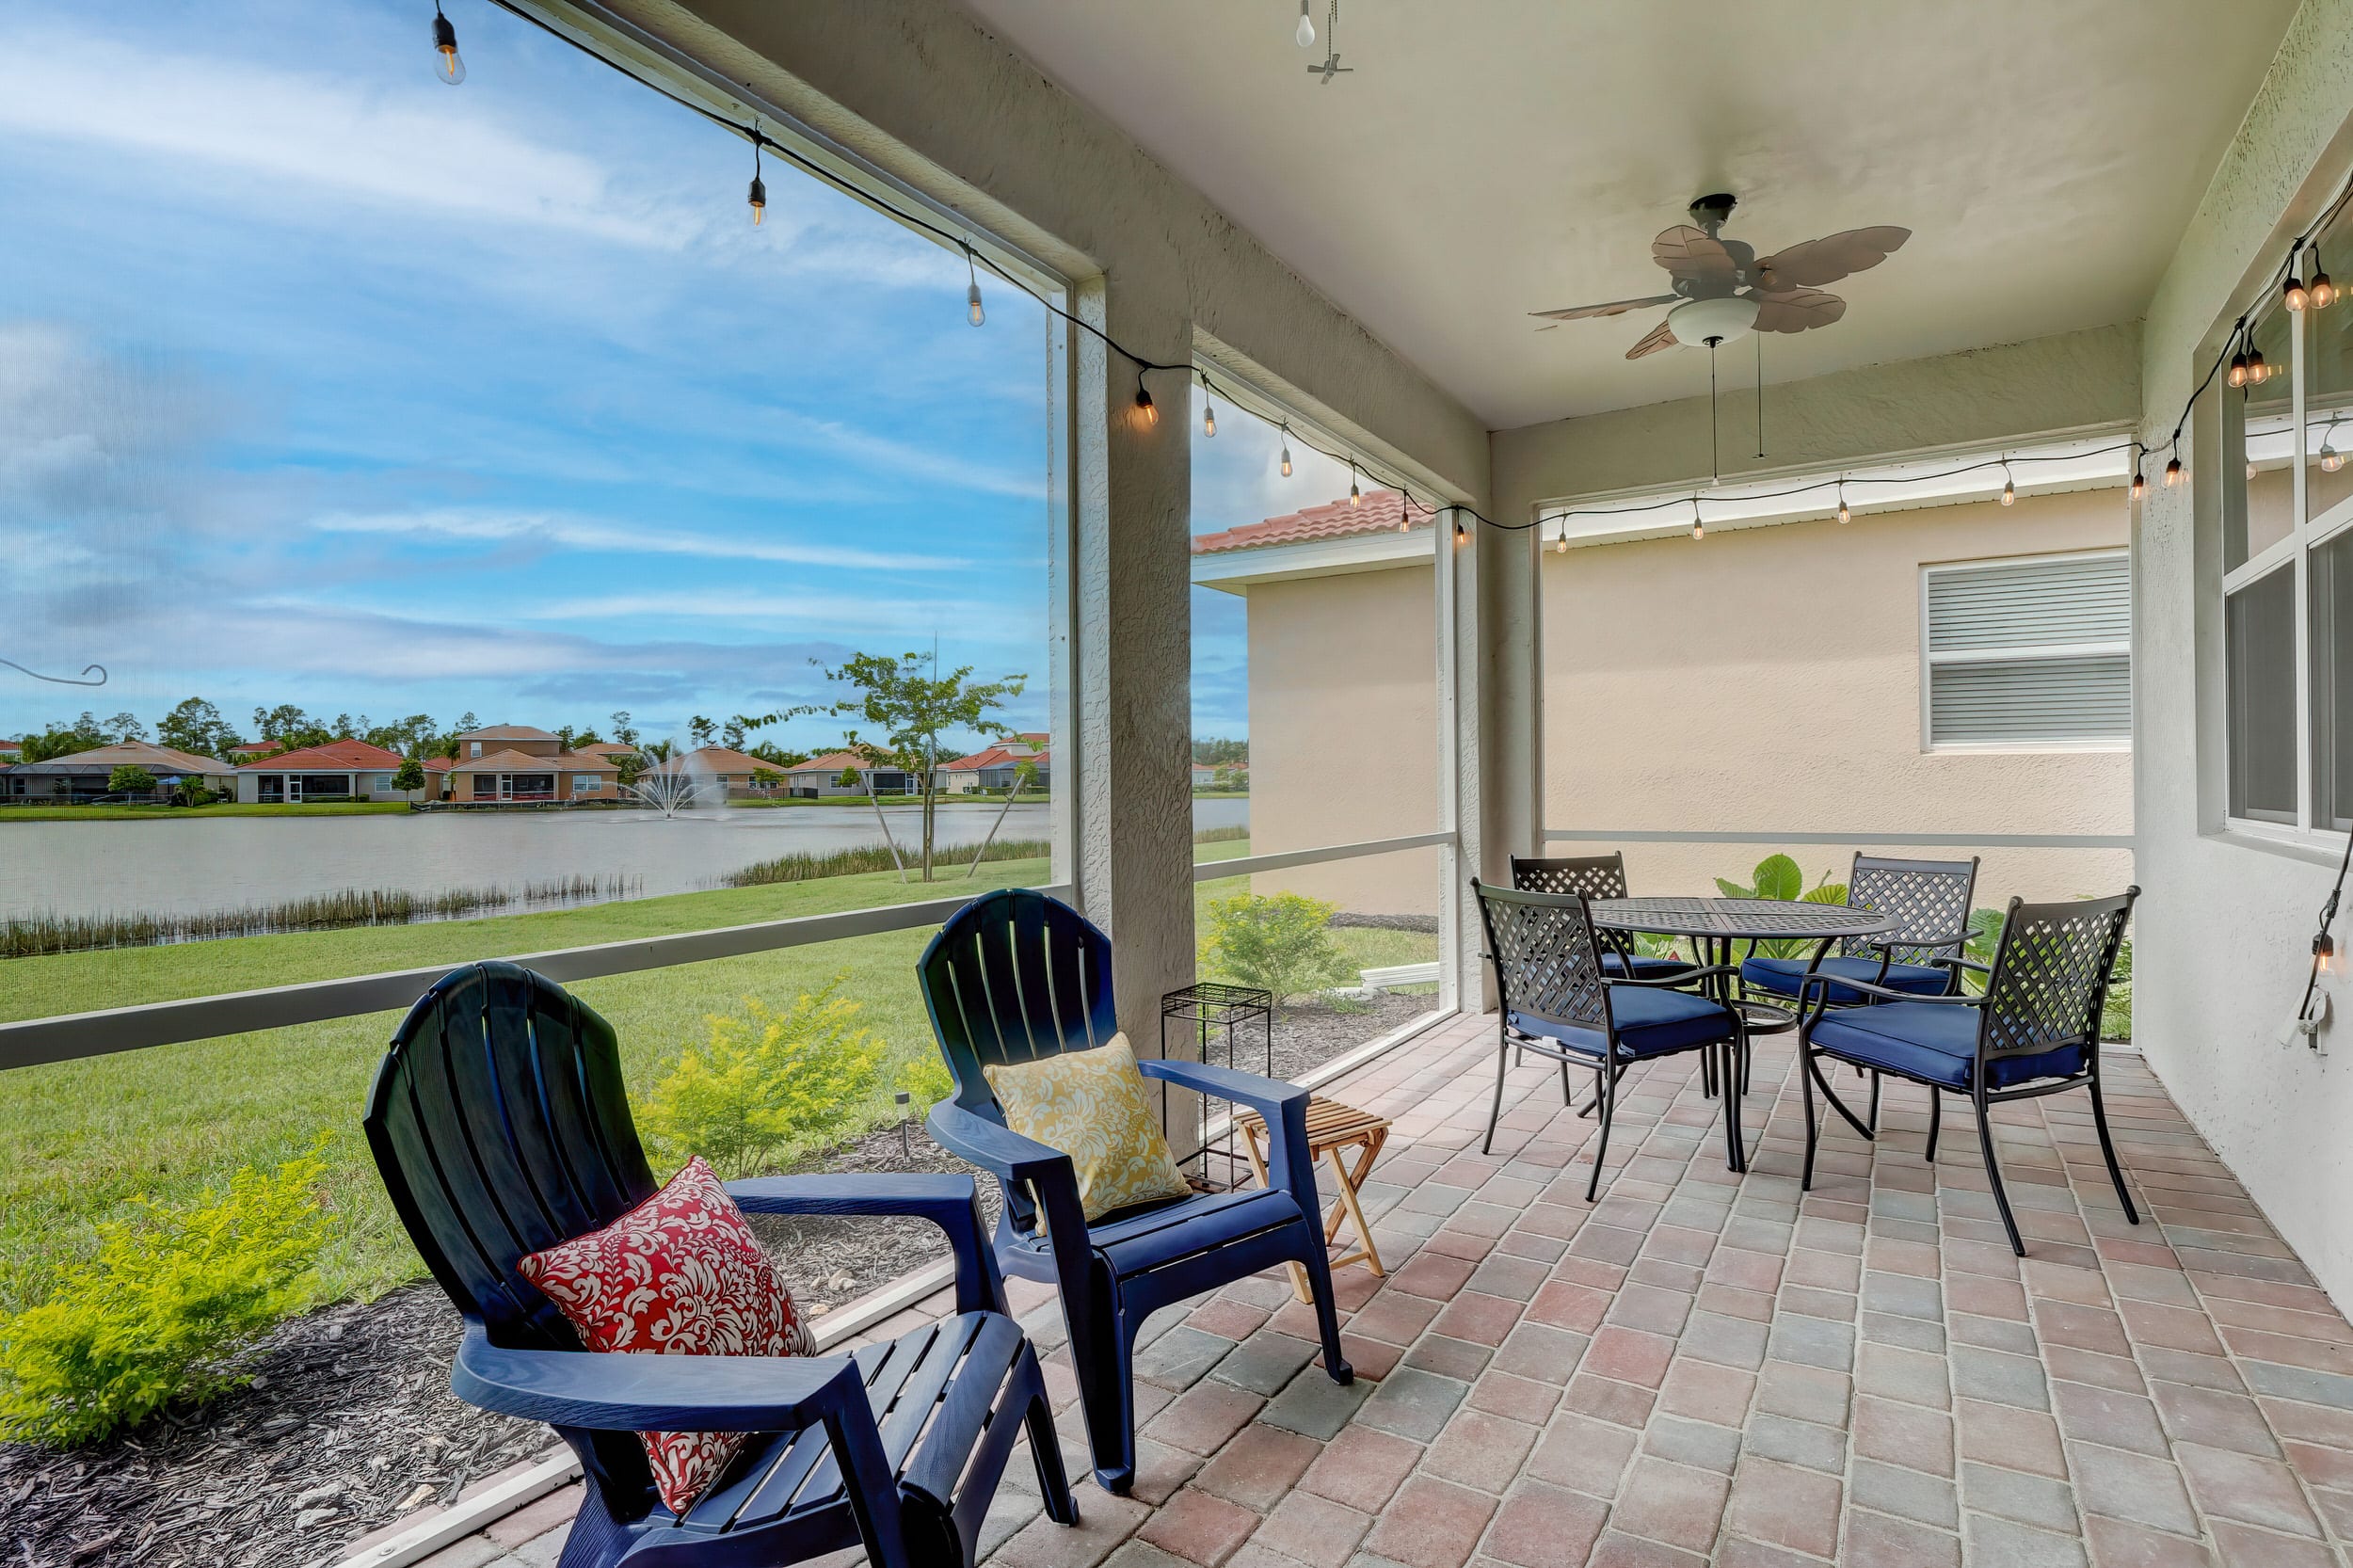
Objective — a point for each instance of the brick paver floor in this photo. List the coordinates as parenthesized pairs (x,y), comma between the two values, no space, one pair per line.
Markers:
(1705,1368)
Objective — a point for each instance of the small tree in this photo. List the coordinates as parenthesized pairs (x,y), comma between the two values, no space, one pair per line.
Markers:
(847,778)
(701,730)
(628,767)
(913,704)
(129,778)
(767,1083)
(196,726)
(408,778)
(623,731)
(766,780)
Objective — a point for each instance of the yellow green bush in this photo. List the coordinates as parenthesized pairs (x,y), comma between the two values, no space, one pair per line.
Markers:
(163,1309)
(1282,944)
(767,1084)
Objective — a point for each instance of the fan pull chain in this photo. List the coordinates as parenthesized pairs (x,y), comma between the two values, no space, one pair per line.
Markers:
(1715,465)
(1760,394)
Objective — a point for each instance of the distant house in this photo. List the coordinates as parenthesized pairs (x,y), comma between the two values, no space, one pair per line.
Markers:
(246,751)
(10,750)
(83,776)
(542,773)
(489,742)
(613,749)
(993,768)
(1204,776)
(338,770)
(732,771)
(821,777)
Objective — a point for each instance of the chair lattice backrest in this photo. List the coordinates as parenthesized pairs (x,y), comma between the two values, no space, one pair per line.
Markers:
(1928,899)
(2051,973)
(1012,977)
(1595,876)
(1547,961)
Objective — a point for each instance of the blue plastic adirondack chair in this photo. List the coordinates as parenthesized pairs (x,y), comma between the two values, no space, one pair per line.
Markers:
(500,1126)
(1015,976)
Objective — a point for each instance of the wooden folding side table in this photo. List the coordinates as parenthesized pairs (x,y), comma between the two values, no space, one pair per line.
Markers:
(1333,1128)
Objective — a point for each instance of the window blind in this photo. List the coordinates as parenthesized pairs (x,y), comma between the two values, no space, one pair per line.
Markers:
(2030,652)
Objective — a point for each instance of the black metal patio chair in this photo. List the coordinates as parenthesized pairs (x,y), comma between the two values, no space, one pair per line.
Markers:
(1596,876)
(1928,900)
(1558,1003)
(2034,1031)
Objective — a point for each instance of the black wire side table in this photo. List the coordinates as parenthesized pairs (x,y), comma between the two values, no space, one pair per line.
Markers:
(1223,1026)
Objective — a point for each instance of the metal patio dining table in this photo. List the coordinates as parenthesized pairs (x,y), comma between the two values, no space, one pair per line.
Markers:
(1712,925)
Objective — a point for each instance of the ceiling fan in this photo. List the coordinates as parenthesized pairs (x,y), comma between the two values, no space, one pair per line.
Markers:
(1722,288)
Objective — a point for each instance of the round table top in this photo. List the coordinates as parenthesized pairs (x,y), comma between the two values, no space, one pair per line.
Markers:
(1761,918)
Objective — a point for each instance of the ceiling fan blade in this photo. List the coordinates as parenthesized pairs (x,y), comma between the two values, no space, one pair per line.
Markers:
(1831,258)
(1614,308)
(1795,309)
(1692,257)
(1652,341)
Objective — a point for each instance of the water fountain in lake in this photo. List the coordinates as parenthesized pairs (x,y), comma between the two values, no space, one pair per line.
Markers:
(679,785)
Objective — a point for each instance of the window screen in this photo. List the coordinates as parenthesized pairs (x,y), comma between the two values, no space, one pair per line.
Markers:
(2030,652)
(2259,652)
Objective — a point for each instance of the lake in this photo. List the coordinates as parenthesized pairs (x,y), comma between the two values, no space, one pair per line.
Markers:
(192,865)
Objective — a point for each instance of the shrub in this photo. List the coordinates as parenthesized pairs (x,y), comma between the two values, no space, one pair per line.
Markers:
(766,1083)
(129,778)
(1282,944)
(162,1311)
(1778,876)
(926,1080)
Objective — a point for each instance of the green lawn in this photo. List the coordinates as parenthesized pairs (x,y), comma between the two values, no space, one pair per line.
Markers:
(81,1138)
(224,809)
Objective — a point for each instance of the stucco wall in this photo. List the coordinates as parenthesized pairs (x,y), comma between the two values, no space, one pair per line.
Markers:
(2225,921)
(1343,733)
(1768,679)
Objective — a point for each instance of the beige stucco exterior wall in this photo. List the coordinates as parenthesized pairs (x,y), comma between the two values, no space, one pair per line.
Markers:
(1343,733)
(1768,679)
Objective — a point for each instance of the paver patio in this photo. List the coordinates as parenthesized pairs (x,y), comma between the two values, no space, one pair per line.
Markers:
(1709,1369)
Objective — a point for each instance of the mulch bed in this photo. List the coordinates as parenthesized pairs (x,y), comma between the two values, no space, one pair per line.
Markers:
(349,1424)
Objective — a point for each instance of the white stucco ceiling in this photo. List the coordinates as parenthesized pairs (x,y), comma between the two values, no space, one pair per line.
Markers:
(1491,157)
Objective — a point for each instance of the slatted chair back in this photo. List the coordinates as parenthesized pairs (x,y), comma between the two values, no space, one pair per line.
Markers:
(2050,976)
(1926,899)
(1015,976)
(1595,876)
(500,1126)
(1547,960)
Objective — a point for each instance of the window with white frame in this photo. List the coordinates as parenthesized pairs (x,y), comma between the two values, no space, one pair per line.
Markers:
(2029,651)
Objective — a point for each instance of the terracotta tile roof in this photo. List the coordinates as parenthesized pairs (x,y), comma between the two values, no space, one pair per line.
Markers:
(334,755)
(832,762)
(995,757)
(157,760)
(722,760)
(508,732)
(606,748)
(522,762)
(1334,520)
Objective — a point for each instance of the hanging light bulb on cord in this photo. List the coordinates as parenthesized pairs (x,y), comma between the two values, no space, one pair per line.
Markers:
(2257,372)
(1209,410)
(2291,292)
(1698,529)
(2009,489)
(1561,545)
(1287,449)
(1844,515)
(2237,376)
(1355,496)
(973,312)
(1147,416)
(2323,292)
(2330,458)
(2140,481)
(446,64)
(2173,472)
(758,194)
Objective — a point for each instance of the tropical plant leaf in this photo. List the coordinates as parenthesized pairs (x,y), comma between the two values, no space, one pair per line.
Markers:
(1779,878)
(1734,890)
(1828,892)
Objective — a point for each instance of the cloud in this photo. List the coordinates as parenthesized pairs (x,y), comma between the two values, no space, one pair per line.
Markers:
(908,457)
(862,618)
(554,531)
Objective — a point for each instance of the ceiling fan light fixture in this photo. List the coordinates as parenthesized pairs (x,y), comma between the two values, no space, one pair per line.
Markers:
(1722,320)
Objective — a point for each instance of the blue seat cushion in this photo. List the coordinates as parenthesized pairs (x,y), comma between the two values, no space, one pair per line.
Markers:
(1781,977)
(1936,1042)
(1645,967)
(1652,1021)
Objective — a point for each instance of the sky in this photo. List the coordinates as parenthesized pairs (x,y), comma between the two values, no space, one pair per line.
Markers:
(323,382)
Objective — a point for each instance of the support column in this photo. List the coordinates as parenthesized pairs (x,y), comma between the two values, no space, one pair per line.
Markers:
(1132,621)
(1503,632)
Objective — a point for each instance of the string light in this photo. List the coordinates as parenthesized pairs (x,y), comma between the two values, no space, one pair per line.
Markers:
(1287,449)
(1698,529)
(448,67)
(1844,515)
(759,201)
(1305,34)
(1209,410)
(1355,497)
(2010,487)
(973,312)
(2330,458)
(2292,293)
(1462,535)
(1561,548)
(2140,481)
(2248,365)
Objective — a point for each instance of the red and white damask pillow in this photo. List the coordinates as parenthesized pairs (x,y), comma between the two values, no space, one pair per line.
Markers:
(680,1274)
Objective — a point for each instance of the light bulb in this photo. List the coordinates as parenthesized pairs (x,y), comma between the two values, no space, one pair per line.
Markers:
(973,312)
(758,199)
(1146,415)
(1562,547)
(1287,459)
(2009,491)
(2173,472)
(2141,484)
(1844,515)
(2292,293)
(446,64)
(2324,293)
(2330,458)
(2257,372)
(1355,497)
(1208,419)
(1698,529)
(1462,535)
(2238,376)
(1305,34)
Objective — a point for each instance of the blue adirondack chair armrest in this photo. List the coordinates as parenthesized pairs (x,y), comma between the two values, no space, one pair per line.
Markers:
(657,1393)
(951,1202)
(1282,1106)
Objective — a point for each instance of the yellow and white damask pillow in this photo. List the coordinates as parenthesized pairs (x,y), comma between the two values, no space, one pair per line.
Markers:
(1091,1105)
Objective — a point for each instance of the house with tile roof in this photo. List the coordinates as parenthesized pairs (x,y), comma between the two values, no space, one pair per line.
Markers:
(821,777)
(83,776)
(534,769)
(338,770)
(992,768)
